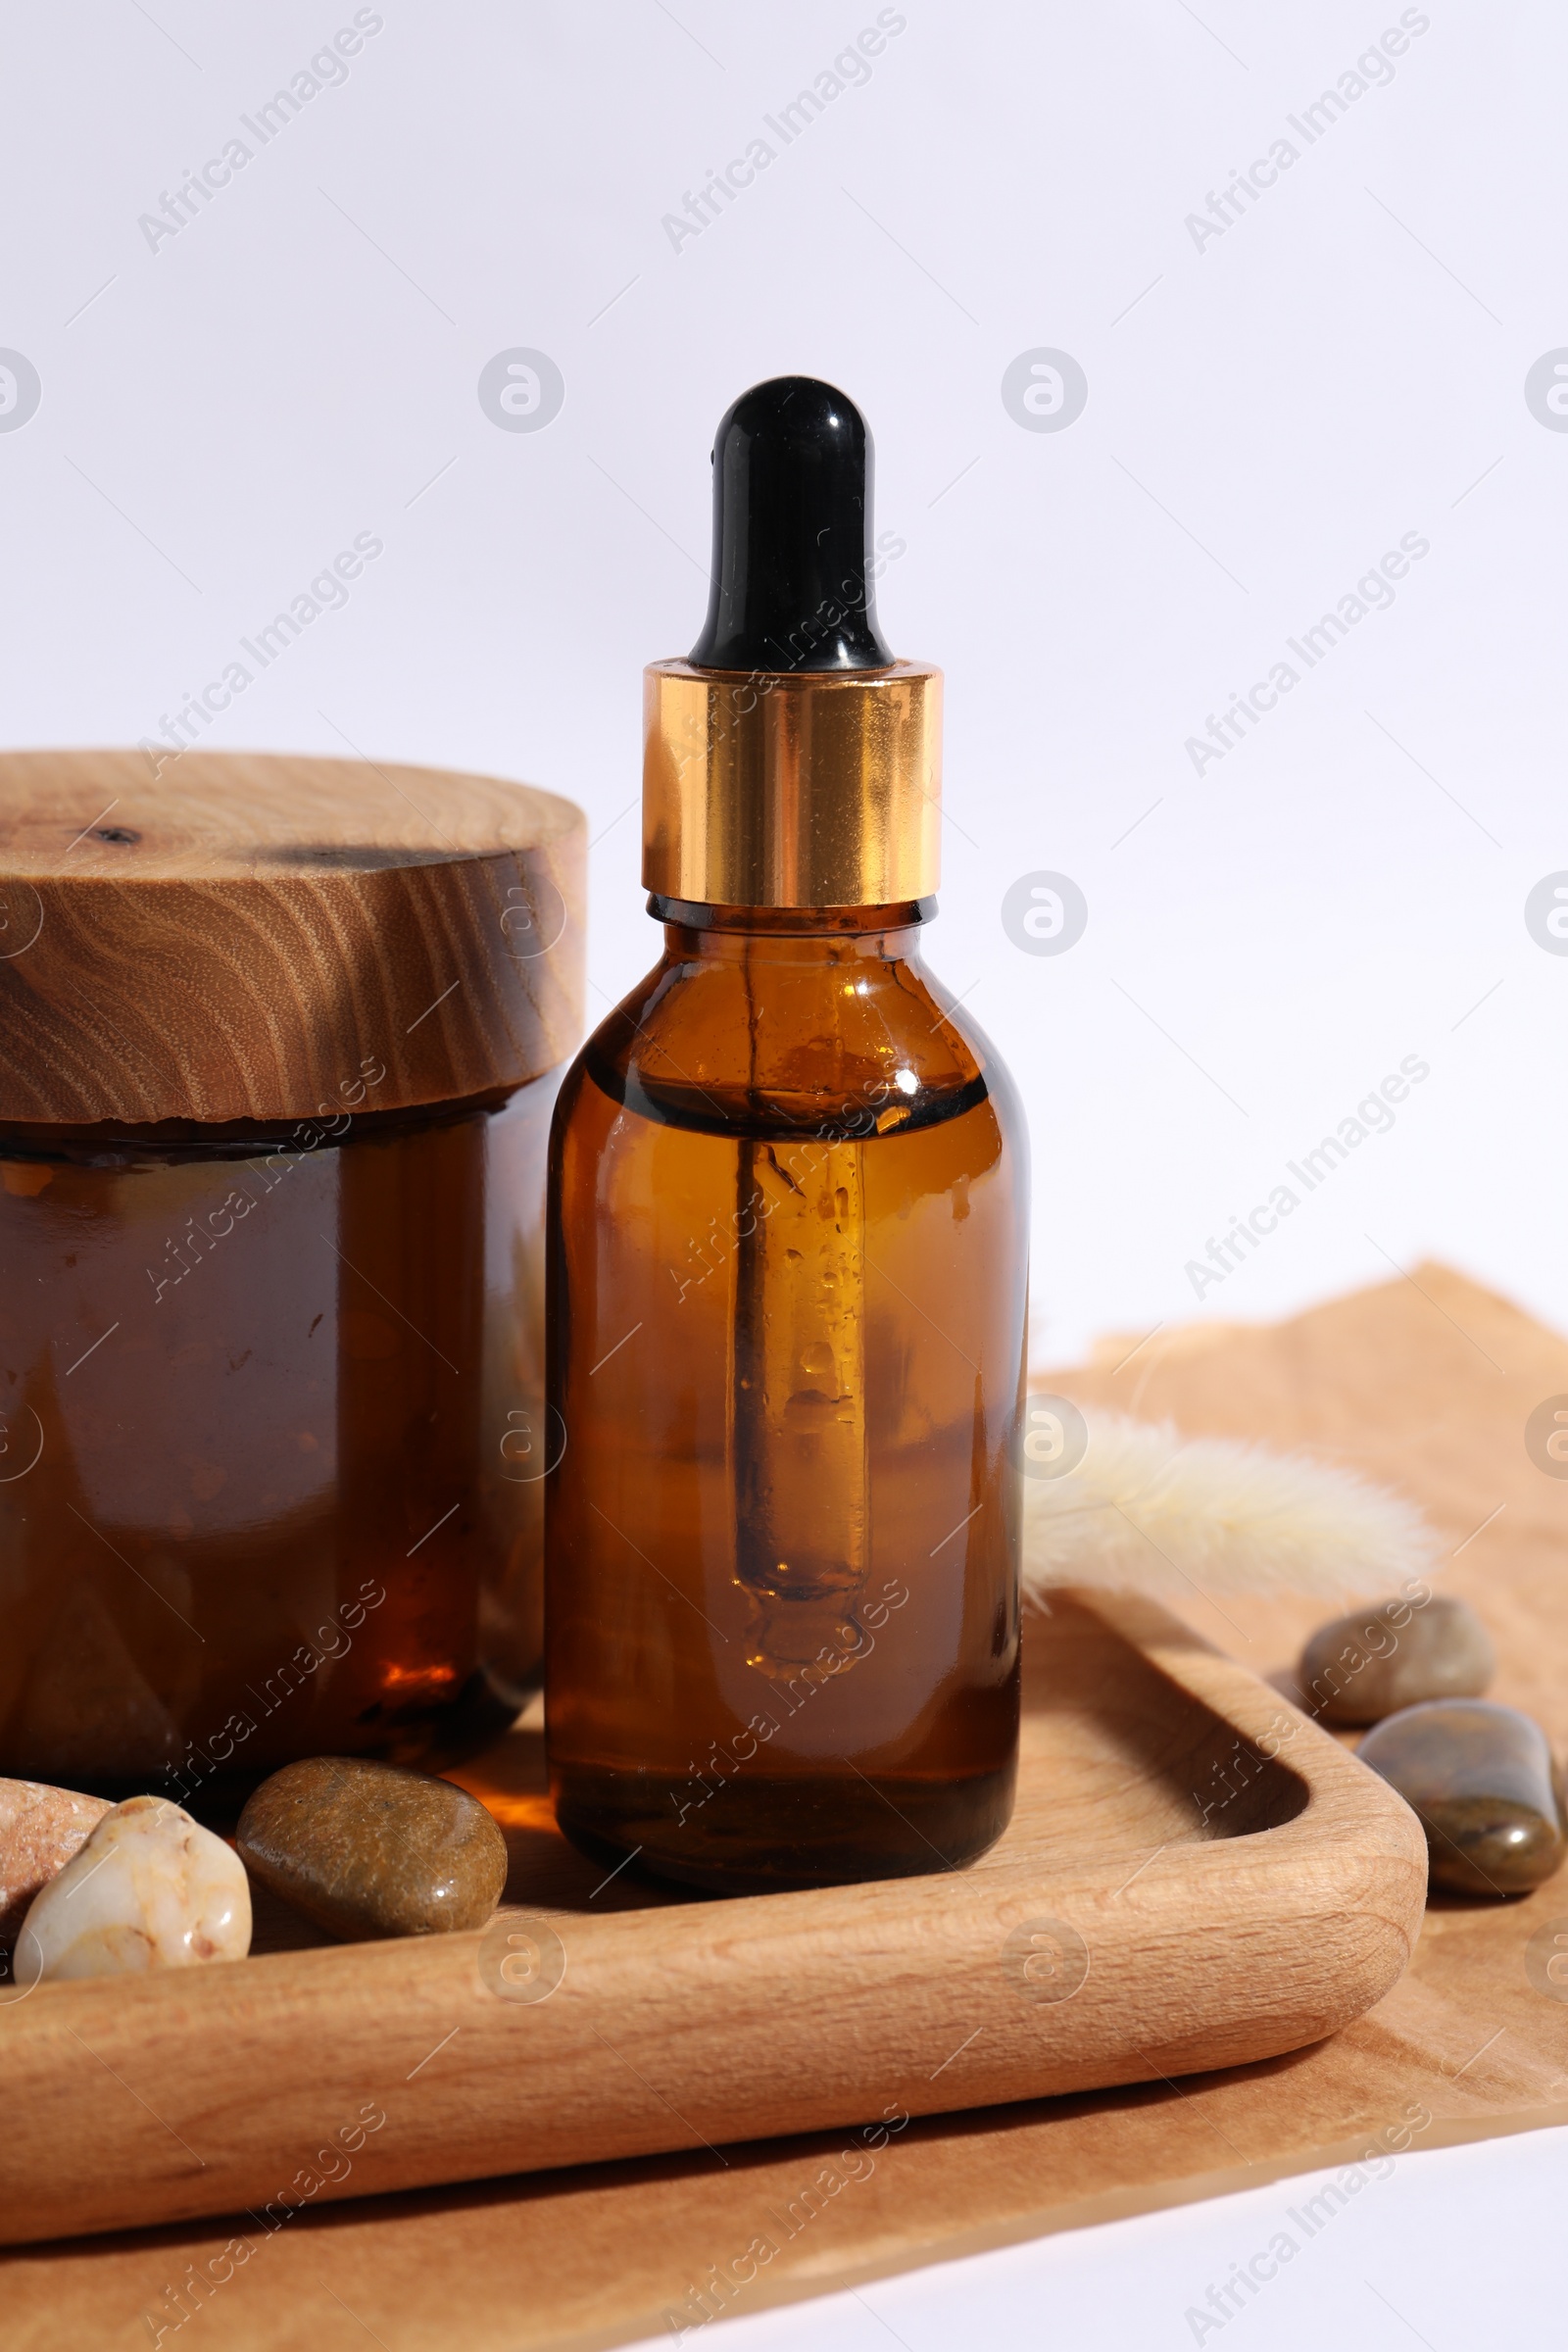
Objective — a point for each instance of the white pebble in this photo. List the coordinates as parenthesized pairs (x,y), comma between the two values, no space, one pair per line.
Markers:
(151,1889)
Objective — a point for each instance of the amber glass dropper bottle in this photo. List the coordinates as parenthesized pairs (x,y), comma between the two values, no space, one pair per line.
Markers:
(787,1259)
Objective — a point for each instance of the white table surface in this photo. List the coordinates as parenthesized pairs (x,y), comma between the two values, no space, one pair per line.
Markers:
(1456,2248)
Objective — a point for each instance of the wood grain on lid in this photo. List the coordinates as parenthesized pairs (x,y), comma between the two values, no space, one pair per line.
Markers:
(233,938)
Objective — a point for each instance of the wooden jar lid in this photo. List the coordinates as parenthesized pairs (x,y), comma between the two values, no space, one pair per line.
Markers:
(237,938)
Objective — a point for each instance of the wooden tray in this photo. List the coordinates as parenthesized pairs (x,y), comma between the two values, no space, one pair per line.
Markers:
(1195,1877)
(1426,1381)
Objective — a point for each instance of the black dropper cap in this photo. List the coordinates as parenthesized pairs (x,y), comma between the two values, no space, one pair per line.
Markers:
(792,534)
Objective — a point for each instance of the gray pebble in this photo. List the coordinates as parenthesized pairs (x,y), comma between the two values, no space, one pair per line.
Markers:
(1483,1781)
(1364,1666)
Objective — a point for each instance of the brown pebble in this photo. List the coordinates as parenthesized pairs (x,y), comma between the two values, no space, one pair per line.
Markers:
(1366,1665)
(369,1849)
(1482,1779)
(40,1829)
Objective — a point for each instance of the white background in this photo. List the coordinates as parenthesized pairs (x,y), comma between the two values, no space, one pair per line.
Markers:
(1267,416)
(1279,409)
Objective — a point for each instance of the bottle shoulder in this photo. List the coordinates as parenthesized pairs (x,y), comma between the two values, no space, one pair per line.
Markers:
(814,1034)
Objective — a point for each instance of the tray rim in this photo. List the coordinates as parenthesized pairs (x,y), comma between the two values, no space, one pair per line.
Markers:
(1344,1880)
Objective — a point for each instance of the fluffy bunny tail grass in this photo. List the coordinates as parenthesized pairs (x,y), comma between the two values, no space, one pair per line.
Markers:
(1150,1511)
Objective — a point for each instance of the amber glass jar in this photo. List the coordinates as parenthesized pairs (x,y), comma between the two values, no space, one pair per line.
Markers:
(281,1043)
(788,1253)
